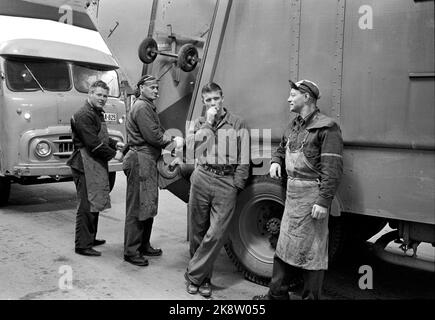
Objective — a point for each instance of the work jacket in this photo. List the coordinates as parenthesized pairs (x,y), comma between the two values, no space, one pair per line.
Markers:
(226,143)
(86,126)
(144,129)
(320,139)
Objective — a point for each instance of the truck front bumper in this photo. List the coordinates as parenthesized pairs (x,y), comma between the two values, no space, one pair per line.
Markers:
(38,170)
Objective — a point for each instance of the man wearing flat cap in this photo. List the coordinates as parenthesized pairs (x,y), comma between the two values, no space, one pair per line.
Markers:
(146,139)
(311,150)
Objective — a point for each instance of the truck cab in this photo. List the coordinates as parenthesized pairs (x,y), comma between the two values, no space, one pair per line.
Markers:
(42,84)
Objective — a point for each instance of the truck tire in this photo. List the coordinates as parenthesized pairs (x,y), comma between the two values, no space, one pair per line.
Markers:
(251,245)
(112,178)
(5,190)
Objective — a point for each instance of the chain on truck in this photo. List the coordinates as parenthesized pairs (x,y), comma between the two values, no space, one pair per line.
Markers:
(43,83)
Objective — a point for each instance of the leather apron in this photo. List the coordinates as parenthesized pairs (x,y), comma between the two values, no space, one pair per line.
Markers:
(148,182)
(97,177)
(303,241)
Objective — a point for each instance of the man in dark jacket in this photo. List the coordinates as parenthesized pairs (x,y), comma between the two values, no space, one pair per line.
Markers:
(146,139)
(93,148)
(311,150)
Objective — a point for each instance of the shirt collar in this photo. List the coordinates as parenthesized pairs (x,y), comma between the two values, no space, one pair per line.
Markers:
(149,101)
(305,121)
(226,118)
(90,106)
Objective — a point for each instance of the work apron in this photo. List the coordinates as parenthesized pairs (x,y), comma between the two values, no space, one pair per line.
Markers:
(96,176)
(143,168)
(303,241)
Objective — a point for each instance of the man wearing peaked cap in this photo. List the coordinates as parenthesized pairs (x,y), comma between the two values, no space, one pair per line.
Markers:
(311,153)
(146,139)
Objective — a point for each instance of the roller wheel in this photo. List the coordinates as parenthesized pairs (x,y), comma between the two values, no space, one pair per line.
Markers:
(188,57)
(148,50)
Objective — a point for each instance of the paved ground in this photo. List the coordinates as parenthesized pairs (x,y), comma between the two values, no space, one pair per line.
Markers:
(37,236)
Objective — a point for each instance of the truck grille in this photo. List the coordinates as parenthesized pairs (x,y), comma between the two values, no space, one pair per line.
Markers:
(64,146)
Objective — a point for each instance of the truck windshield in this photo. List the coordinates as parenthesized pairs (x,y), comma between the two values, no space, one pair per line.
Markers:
(31,75)
(84,76)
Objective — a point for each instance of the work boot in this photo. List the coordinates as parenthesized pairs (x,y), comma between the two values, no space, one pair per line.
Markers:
(205,289)
(99,242)
(88,252)
(190,286)
(137,260)
(150,251)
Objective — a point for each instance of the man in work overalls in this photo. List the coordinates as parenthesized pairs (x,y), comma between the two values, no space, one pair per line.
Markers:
(93,148)
(146,139)
(221,172)
(311,149)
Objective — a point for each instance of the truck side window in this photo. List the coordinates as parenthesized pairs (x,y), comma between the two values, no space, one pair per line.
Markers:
(84,76)
(31,75)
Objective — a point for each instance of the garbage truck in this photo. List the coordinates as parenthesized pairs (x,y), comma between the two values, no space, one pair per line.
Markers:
(374,63)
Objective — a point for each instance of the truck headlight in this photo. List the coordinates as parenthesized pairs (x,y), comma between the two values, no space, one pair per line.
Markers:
(43,149)
(27,116)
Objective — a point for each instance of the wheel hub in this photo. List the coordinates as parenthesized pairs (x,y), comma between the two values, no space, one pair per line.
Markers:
(272,226)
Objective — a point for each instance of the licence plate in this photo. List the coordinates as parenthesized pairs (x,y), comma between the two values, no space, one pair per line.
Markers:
(110,117)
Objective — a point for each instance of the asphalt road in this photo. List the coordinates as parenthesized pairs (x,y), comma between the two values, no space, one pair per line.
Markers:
(37,256)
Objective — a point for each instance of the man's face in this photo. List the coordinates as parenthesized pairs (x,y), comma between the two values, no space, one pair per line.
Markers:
(296,100)
(98,97)
(150,91)
(213,99)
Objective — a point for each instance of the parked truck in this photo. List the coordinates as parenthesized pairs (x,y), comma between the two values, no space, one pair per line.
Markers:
(42,84)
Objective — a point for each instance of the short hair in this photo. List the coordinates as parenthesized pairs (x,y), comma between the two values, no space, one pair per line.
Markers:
(100,84)
(311,99)
(211,87)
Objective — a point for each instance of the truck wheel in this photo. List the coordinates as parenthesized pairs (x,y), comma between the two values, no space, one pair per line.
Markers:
(5,190)
(255,229)
(112,178)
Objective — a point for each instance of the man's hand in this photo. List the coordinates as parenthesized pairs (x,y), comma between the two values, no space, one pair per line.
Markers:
(211,115)
(175,162)
(275,170)
(319,212)
(179,142)
(120,145)
(119,156)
